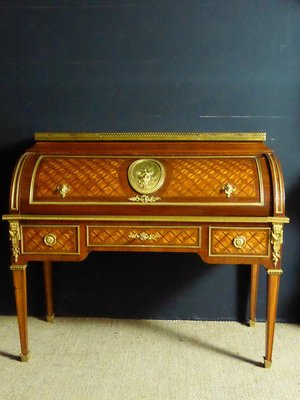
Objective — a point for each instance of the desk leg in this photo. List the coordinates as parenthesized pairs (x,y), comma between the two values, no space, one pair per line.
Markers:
(19,279)
(48,290)
(273,289)
(253,293)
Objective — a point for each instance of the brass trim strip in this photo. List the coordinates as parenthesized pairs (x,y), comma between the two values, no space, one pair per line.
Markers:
(279,186)
(236,255)
(34,171)
(150,136)
(260,180)
(141,204)
(144,227)
(274,271)
(141,156)
(15,267)
(16,181)
(145,218)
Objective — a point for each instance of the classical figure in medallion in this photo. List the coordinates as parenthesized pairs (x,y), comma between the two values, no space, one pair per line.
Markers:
(146,176)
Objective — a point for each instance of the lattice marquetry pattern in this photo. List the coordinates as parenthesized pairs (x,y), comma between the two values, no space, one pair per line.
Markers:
(204,177)
(86,177)
(95,178)
(157,236)
(256,241)
(66,239)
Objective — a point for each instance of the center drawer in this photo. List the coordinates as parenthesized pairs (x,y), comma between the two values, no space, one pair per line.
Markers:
(143,236)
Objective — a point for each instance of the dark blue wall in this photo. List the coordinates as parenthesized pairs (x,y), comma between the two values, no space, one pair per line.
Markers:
(141,65)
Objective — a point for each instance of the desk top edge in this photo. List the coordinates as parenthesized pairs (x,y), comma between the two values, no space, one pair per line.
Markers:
(150,136)
(148,218)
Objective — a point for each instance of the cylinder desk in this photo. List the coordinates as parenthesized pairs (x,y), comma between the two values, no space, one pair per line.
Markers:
(220,195)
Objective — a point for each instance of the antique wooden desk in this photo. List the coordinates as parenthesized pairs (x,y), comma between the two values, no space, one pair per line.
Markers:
(220,195)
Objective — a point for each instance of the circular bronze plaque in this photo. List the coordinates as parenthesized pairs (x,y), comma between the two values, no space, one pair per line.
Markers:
(146,176)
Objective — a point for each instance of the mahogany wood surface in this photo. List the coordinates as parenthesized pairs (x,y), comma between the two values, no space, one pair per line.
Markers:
(253,292)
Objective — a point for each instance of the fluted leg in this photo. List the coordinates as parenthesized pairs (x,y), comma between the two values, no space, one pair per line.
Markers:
(273,289)
(19,279)
(253,293)
(48,290)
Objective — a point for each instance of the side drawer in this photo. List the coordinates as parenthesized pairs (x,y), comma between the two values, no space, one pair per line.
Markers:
(50,239)
(239,241)
(143,236)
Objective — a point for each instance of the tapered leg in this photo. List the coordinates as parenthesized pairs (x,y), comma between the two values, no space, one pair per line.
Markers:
(48,290)
(273,289)
(253,293)
(19,279)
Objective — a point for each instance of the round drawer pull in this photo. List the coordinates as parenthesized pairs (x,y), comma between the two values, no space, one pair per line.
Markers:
(239,242)
(50,239)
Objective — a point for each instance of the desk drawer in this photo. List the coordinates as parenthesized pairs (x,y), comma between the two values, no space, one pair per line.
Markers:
(143,236)
(239,241)
(50,239)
